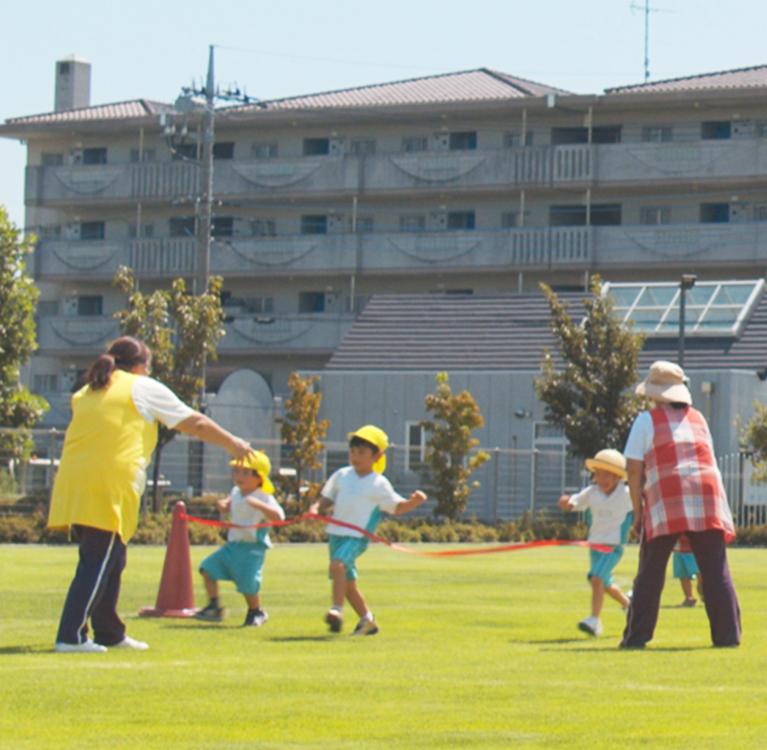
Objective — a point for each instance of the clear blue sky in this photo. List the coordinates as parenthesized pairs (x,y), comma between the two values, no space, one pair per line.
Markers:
(151,49)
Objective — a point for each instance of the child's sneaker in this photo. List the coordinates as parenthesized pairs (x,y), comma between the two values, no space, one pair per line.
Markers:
(255,618)
(691,602)
(335,620)
(211,613)
(591,625)
(366,626)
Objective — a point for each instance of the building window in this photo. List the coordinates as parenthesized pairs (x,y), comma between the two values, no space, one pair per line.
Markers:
(363,146)
(760,212)
(655,215)
(602,214)
(514,140)
(714,213)
(184,152)
(147,155)
(311,302)
(414,143)
(415,442)
(512,219)
(264,150)
(716,130)
(314,224)
(251,305)
(466,141)
(460,220)
(92,230)
(223,226)
(90,304)
(223,150)
(51,160)
(181,226)
(52,232)
(316,146)
(599,134)
(263,227)
(657,133)
(365,224)
(412,223)
(94,156)
(45,383)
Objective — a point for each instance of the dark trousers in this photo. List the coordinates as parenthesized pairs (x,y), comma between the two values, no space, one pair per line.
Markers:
(94,590)
(718,590)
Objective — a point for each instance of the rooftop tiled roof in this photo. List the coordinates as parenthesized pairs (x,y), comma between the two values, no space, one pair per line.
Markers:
(739,78)
(481,84)
(510,332)
(115,111)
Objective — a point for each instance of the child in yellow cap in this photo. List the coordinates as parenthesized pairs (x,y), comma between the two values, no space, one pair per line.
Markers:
(251,501)
(358,493)
(611,518)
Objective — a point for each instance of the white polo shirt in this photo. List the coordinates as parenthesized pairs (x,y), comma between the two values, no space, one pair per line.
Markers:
(359,500)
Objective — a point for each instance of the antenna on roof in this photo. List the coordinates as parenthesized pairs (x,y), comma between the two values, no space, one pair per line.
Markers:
(646,9)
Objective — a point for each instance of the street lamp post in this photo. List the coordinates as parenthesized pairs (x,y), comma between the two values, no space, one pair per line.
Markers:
(687,282)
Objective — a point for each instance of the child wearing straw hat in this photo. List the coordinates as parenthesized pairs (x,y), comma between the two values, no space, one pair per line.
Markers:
(250,502)
(611,513)
(358,493)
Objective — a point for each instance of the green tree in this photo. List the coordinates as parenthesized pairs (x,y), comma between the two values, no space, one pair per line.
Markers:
(590,396)
(451,457)
(19,408)
(754,437)
(182,330)
(302,433)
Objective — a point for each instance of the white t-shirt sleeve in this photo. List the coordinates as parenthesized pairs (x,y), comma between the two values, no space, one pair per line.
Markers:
(582,499)
(640,437)
(272,503)
(156,401)
(330,488)
(386,498)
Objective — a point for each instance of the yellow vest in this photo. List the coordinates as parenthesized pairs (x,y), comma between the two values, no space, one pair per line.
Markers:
(107,449)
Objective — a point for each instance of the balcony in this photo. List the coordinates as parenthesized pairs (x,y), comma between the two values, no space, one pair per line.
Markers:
(422,172)
(315,333)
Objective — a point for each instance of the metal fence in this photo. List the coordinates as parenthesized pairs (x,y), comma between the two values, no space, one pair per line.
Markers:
(511,483)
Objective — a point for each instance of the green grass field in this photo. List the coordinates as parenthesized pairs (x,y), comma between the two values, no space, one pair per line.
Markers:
(473,652)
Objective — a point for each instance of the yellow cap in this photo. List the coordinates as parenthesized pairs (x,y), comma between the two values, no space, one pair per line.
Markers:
(259,462)
(376,436)
(608,460)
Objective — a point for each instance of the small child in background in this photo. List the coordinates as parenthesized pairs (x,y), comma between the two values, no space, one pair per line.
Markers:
(611,511)
(241,559)
(685,568)
(358,493)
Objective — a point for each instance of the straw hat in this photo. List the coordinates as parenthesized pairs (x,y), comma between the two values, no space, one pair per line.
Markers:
(259,462)
(608,460)
(665,383)
(376,436)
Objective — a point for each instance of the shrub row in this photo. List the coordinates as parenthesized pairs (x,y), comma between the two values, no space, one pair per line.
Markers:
(154,528)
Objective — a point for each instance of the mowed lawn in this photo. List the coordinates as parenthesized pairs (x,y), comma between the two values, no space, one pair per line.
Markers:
(473,652)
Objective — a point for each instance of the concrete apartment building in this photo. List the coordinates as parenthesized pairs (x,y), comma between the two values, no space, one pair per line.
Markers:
(474,182)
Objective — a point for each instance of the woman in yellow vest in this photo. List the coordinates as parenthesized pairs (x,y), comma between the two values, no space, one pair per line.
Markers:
(107,449)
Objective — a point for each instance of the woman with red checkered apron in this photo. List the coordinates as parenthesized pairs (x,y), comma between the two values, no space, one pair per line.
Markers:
(676,489)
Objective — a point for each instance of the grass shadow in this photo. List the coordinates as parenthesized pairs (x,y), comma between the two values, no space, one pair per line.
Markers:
(13,650)
(615,649)
(302,638)
(551,641)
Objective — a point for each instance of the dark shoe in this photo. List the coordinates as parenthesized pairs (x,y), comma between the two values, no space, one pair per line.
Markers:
(631,646)
(210,614)
(366,627)
(255,618)
(335,620)
(689,602)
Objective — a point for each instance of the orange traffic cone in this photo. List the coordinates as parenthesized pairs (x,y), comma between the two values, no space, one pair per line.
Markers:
(176,595)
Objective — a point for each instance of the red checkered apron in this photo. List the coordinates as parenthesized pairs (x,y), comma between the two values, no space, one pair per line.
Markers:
(683,487)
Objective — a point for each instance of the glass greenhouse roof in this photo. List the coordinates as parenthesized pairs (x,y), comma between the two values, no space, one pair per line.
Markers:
(712,308)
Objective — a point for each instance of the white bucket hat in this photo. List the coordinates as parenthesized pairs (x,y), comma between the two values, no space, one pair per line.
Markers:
(665,383)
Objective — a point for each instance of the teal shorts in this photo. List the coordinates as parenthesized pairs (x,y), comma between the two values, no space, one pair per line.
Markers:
(240,562)
(602,564)
(347,549)
(685,565)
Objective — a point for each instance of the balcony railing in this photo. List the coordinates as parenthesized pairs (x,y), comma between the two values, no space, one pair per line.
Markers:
(528,167)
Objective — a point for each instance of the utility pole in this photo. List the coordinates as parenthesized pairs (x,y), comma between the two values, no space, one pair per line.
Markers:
(205,217)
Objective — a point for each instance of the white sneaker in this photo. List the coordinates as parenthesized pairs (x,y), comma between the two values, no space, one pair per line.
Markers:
(366,626)
(591,625)
(88,647)
(129,642)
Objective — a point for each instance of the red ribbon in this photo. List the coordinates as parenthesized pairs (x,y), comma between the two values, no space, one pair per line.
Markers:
(514,547)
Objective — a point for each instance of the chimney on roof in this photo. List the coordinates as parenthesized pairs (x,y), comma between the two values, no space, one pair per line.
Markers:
(73,84)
